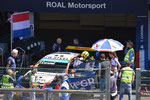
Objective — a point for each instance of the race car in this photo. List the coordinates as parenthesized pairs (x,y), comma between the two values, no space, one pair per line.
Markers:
(61,63)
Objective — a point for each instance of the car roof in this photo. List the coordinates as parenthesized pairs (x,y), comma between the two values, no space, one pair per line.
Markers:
(61,57)
(62,54)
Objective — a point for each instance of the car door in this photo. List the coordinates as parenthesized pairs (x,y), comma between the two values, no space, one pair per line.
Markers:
(84,77)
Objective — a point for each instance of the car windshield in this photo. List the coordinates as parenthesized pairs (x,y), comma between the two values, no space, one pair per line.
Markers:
(52,67)
(88,66)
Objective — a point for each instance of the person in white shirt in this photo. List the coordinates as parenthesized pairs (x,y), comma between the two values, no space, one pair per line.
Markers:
(33,83)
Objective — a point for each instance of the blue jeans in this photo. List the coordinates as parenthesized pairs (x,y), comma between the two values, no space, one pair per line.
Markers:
(102,87)
(123,87)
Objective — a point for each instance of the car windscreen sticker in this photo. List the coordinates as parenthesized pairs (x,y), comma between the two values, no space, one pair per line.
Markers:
(54,60)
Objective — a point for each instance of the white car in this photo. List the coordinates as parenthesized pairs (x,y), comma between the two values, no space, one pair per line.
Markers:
(52,64)
(62,63)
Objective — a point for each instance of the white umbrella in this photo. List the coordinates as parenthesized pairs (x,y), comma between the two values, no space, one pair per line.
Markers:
(107,45)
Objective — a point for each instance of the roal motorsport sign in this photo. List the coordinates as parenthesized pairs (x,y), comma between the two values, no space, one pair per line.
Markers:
(73,5)
(69,6)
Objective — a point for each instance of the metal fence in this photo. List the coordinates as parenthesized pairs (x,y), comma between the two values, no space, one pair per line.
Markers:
(142,88)
(46,94)
(142,84)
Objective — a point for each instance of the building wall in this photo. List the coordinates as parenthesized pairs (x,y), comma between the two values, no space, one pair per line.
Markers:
(88,28)
(148,35)
(83,21)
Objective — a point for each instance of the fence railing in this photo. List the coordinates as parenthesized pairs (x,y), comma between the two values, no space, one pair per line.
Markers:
(142,85)
(106,92)
(46,93)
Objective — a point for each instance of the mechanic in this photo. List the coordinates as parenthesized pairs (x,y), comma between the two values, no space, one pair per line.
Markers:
(129,54)
(64,85)
(7,81)
(127,76)
(11,64)
(57,46)
(33,83)
(76,42)
(115,65)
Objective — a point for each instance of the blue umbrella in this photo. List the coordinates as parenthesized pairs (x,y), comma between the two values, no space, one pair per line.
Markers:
(107,45)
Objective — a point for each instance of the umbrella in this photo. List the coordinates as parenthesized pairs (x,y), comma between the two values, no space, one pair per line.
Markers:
(107,45)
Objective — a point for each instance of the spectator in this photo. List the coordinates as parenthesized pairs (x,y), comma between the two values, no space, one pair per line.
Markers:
(11,63)
(63,86)
(98,67)
(76,42)
(113,86)
(104,65)
(129,54)
(7,81)
(57,46)
(102,57)
(114,63)
(127,76)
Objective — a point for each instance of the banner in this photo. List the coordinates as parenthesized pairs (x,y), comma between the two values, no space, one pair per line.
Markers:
(83,81)
(142,34)
(80,48)
(70,6)
(20,25)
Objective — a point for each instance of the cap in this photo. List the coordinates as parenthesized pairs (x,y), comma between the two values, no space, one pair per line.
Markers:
(61,76)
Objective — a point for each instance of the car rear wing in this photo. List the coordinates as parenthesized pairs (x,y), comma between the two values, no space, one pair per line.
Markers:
(80,48)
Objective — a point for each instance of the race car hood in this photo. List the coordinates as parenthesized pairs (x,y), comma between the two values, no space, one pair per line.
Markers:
(42,77)
(52,59)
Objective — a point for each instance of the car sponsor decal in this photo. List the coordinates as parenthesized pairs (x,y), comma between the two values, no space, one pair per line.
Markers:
(82,83)
(55,60)
(61,57)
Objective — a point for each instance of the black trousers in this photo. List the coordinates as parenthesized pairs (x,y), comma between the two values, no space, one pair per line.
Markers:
(112,97)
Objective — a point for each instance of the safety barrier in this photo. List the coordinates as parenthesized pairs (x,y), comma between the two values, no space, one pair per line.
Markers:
(22,71)
(47,92)
(142,83)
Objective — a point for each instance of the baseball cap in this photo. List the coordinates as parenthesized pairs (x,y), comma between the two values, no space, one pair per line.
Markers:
(61,76)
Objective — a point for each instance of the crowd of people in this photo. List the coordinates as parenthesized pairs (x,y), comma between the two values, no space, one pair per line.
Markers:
(125,72)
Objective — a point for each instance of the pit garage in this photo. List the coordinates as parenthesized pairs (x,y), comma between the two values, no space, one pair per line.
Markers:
(88,28)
